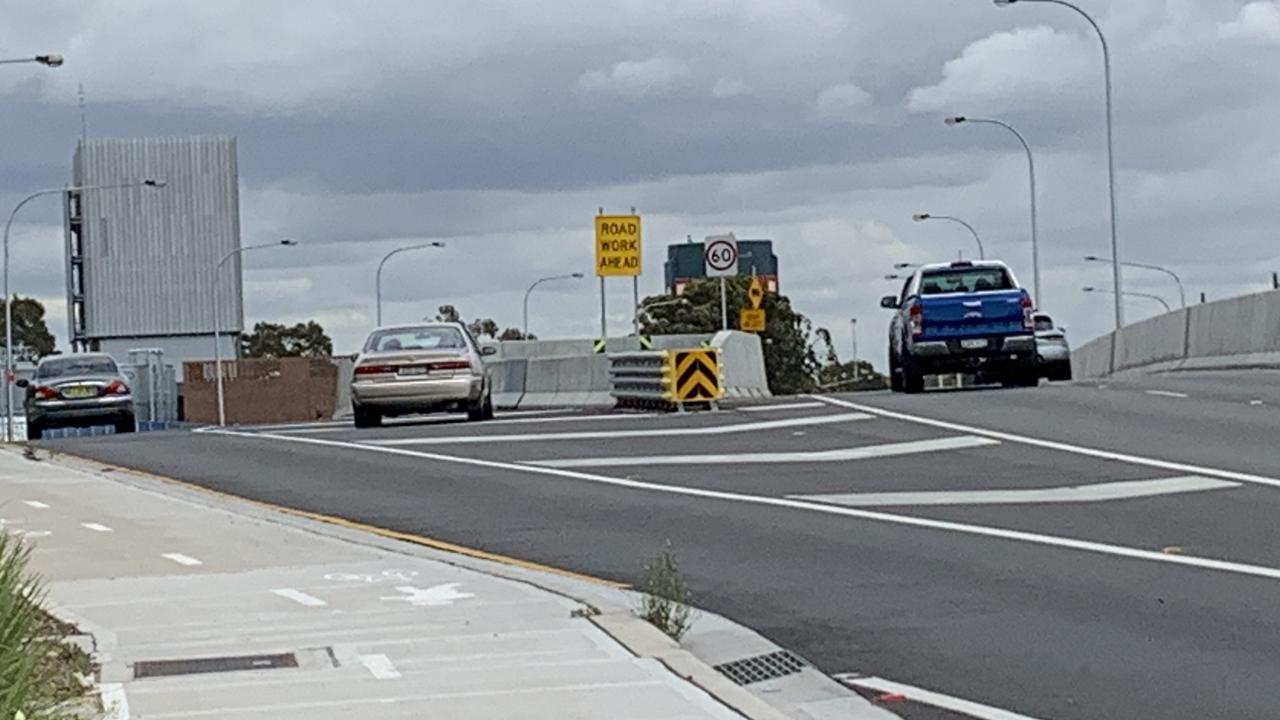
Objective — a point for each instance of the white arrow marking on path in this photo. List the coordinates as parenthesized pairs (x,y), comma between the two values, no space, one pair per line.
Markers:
(437,596)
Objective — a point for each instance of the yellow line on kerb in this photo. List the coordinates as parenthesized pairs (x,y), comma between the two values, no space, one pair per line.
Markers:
(362,527)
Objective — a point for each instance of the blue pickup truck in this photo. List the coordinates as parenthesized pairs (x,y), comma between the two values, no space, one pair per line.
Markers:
(969,317)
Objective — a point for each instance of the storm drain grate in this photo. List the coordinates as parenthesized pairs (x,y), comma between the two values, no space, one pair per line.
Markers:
(762,667)
(198,666)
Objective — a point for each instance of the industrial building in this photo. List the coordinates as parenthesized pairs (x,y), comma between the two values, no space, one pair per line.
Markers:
(140,260)
(686,263)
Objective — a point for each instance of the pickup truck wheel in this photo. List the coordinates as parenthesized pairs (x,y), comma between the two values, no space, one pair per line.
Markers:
(895,375)
(912,379)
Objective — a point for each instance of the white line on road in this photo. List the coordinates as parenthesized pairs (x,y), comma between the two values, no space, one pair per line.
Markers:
(1098,492)
(867,452)
(380,666)
(299,597)
(114,702)
(96,527)
(928,697)
(782,407)
(462,421)
(608,434)
(36,504)
(182,559)
(1089,546)
(1167,393)
(1184,468)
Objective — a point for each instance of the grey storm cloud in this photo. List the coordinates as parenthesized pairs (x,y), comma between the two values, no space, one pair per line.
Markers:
(501,127)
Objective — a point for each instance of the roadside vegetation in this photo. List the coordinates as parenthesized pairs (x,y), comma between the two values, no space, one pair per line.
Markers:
(666,596)
(41,676)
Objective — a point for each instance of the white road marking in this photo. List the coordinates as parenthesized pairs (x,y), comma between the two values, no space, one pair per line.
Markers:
(435,596)
(1167,393)
(182,559)
(96,527)
(299,597)
(1255,402)
(380,666)
(114,702)
(820,456)
(1099,492)
(1089,546)
(36,504)
(461,421)
(928,697)
(1184,468)
(609,435)
(782,407)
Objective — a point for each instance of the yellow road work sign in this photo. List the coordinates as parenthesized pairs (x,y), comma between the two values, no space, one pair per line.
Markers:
(697,375)
(755,294)
(617,245)
(751,320)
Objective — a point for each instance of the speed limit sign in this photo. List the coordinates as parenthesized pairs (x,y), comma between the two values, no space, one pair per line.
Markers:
(722,256)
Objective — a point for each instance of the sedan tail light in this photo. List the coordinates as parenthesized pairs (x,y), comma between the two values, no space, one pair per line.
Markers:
(451,365)
(47,393)
(916,316)
(374,369)
(116,388)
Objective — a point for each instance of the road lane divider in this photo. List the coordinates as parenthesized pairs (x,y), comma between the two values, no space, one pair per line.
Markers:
(618,434)
(1054,541)
(299,597)
(868,452)
(1185,468)
(1168,394)
(1097,492)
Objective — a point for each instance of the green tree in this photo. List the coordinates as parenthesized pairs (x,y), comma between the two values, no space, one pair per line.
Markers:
(273,340)
(788,340)
(31,337)
(483,327)
(448,313)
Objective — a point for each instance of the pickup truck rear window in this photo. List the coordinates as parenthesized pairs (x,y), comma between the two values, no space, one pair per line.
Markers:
(965,281)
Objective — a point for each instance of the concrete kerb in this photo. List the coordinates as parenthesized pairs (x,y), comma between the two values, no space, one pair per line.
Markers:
(608,605)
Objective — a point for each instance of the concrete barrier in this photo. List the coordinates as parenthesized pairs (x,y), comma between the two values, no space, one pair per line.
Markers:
(508,378)
(1240,332)
(741,364)
(346,372)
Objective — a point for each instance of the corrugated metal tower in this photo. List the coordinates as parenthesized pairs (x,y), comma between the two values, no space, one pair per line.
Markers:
(140,260)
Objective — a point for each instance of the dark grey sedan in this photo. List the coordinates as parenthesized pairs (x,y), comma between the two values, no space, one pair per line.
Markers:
(77,391)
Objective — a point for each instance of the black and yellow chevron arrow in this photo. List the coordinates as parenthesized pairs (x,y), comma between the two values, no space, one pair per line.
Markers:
(697,375)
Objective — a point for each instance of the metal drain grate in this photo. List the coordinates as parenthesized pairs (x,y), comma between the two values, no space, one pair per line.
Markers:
(197,666)
(762,667)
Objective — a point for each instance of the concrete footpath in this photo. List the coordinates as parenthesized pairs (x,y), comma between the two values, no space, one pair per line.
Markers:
(202,606)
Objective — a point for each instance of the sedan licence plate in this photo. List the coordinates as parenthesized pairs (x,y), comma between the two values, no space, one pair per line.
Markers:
(80,391)
(973,344)
(413,371)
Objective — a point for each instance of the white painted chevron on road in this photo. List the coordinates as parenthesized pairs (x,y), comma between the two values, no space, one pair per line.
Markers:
(867,452)
(1099,492)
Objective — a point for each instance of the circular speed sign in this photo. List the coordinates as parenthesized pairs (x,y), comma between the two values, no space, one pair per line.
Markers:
(722,256)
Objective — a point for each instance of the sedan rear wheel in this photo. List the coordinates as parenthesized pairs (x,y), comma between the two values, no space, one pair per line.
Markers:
(482,410)
(366,417)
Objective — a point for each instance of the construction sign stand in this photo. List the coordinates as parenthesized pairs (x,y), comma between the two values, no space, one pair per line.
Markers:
(617,255)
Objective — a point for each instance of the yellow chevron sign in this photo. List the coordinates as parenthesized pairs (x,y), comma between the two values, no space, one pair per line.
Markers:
(697,374)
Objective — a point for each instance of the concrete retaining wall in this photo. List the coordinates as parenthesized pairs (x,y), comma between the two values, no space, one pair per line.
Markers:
(1237,332)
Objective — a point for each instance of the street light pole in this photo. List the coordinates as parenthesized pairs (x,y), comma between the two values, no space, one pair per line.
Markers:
(921,217)
(1031,167)
(853,325)
(1129,293)
(536,283)
(377,280)
(217,331)
(1111,154)
(1182,294)
(8,299)
(52,61)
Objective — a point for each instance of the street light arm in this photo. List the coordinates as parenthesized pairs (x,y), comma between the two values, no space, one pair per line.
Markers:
(1182,294)
(982,254)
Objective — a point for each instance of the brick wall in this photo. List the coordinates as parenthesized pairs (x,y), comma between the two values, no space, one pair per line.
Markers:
(262,391)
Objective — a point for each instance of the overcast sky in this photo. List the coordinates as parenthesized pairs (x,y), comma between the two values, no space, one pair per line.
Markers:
(500,127)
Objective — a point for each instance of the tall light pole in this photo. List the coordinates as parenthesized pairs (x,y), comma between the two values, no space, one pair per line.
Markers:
(52,61)
(921,217)
(377,280)
(536,283)
(1182,294)
(1031,167)
(217,330)
(1111,154)
(8,299)
(1129,293)
(853,326)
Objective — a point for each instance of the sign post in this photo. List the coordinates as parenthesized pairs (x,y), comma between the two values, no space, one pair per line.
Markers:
(617,255)
(721,256)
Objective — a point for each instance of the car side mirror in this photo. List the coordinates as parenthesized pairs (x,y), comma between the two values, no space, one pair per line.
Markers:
(22,382)
(488,350)
(889,302)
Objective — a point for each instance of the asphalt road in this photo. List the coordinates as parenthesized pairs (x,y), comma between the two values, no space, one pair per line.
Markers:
(1072,610)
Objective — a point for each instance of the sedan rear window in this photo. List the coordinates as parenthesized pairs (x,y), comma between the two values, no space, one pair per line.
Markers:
(419,338)
(965,281)
(72,366)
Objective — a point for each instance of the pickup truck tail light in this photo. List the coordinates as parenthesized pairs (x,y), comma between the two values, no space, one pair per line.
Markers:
(1028,316)
(916,316)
